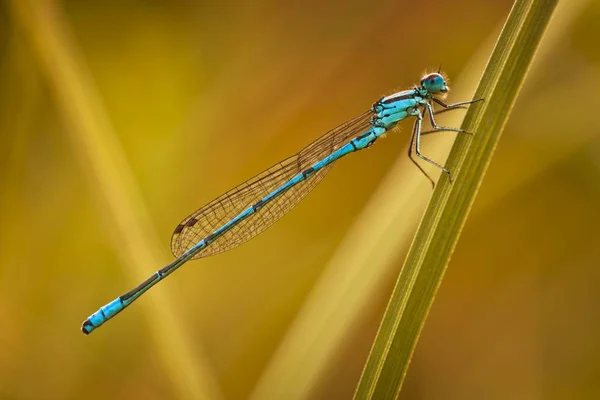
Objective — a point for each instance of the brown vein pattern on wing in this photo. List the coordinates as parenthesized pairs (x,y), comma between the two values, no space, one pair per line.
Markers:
(215,214)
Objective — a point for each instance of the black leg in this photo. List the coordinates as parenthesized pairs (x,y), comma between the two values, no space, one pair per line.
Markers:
(455,105)
(410,150)
(417,135)
(440,128)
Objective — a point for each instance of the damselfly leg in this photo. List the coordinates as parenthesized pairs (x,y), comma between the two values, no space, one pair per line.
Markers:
(415,140)
(411,146)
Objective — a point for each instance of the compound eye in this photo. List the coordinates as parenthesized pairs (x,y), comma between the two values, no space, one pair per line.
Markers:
(432,79)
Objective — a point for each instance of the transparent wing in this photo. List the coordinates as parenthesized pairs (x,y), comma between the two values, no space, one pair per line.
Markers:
(213,215)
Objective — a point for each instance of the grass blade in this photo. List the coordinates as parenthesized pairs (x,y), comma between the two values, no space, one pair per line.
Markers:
(112,179)
(446,214)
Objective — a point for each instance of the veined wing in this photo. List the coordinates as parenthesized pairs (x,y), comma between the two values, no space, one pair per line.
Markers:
(213,215)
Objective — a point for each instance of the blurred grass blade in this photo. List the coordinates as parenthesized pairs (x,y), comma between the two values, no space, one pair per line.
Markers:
(95,142)
(446,214)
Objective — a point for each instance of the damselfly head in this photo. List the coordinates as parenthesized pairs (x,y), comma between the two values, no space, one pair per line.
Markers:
(434,83)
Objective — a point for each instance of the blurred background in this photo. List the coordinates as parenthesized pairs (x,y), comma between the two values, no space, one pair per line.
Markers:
(119,118)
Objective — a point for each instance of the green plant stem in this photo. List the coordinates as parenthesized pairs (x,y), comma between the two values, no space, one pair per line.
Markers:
(449,207)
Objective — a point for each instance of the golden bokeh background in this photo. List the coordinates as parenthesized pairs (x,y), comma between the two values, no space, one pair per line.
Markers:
(119,118)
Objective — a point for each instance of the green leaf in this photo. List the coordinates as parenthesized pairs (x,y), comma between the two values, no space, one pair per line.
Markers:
(449,207)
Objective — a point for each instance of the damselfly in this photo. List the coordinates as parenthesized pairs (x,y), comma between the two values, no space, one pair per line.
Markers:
(248,209)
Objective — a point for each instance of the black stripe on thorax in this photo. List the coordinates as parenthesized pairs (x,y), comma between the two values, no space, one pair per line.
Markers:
(408,95)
